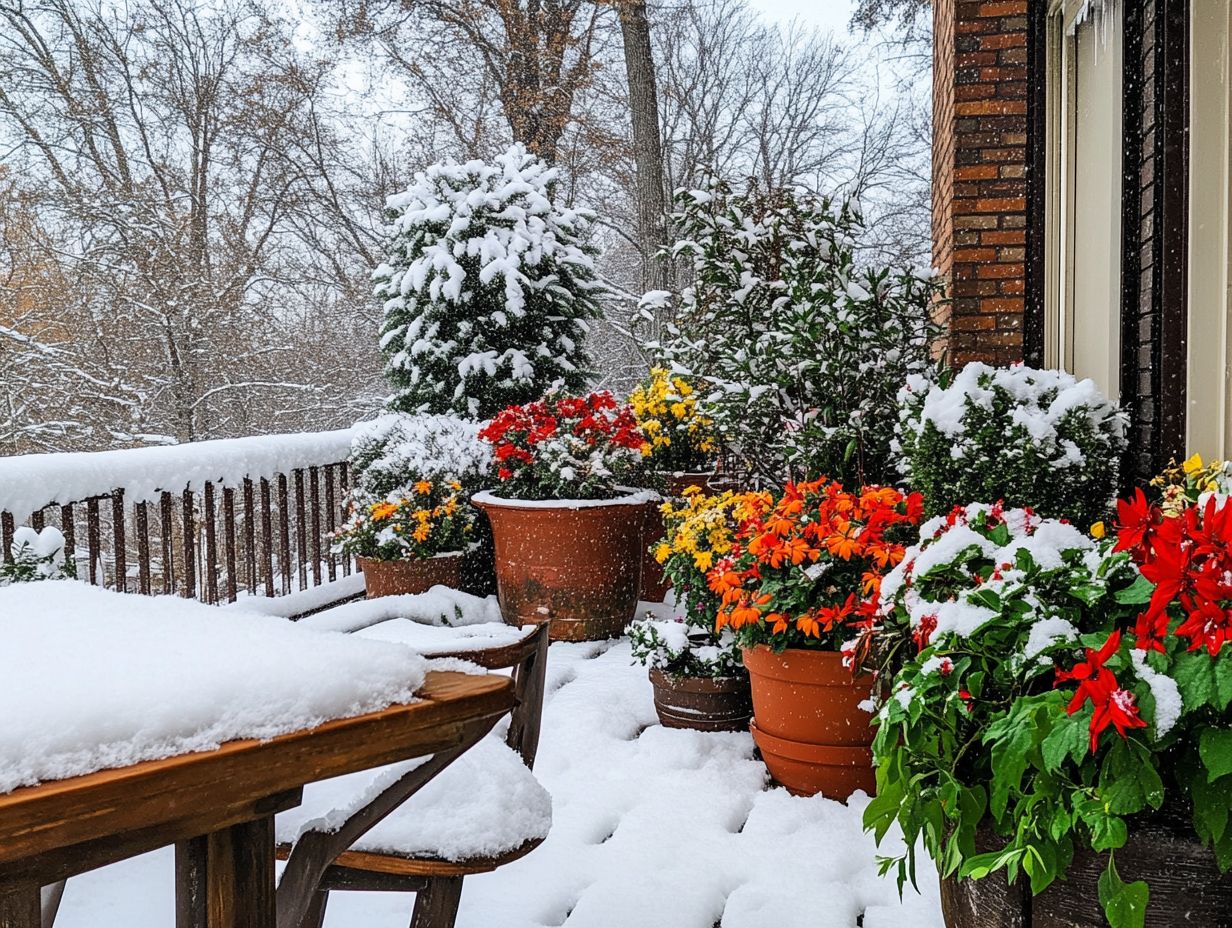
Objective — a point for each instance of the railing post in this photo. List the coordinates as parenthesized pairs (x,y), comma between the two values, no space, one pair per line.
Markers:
(190,547)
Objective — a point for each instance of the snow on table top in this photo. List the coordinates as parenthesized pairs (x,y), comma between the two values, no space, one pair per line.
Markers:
(31,481)
(91,679)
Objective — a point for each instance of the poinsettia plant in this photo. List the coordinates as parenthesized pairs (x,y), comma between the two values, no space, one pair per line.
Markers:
(565,447)
(1052,691)
(806,564)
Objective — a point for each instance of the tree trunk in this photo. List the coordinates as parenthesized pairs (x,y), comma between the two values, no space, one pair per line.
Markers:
(647,145)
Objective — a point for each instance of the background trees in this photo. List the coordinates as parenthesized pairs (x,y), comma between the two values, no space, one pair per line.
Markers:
(191,195)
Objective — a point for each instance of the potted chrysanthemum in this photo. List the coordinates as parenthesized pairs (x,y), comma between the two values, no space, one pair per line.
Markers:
(696,671)
(568,533)
(795,592)
(683,452)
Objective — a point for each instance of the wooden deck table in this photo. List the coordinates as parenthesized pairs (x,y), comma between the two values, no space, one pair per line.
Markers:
(218,806)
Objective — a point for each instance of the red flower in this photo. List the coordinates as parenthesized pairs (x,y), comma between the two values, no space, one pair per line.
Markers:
(923,632)
(1119,710)
(1095,681)
(1208,625)
(1135,522)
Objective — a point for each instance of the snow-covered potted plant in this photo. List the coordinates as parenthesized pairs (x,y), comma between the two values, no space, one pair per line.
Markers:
(408,542)
(1027,437)
(1054,723)
(37,555)
(568,534)
(698,678)
(683,453)
(407,523)
(795,591)
(487,285)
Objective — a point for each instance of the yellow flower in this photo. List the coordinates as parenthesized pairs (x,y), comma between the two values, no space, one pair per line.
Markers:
(662,552)
(423,488)
(703,560)
(422,531)
(1098,530)
(1193,465)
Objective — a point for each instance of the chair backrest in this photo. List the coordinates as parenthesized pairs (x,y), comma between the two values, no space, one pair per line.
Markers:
(529,660)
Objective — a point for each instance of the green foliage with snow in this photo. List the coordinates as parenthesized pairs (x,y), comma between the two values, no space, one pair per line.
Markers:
(487,287)
(799,349)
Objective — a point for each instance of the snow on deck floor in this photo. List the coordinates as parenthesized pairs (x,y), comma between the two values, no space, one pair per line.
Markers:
(653,828)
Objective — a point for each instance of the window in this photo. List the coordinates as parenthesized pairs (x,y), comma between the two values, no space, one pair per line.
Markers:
(1083,274)
(1207,386)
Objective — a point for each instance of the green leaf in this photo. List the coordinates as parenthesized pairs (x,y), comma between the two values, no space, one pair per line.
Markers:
(1088,593)
(1215,747)
(1195,678)
(880,814)
(1124,903)
(1210,802)
(1137,593)
(1068,738)
(1223,684)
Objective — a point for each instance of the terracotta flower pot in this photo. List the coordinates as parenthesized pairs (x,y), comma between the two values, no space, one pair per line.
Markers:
(578,565)
(702,703)
(1186,886)
(394,578)
(654,584)
(807,721)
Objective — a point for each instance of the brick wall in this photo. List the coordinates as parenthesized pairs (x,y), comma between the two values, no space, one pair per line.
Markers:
(980,174)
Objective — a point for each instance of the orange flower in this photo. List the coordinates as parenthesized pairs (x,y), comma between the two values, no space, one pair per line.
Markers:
(724,581)
(796,550)
(870,582)
(423,488)
(382,511)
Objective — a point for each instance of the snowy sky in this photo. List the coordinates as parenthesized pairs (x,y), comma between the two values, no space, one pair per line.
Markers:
(826,14)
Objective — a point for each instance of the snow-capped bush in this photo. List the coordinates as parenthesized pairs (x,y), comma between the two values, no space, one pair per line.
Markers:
(487,286)
(1037,438)
(799,351)
(37,556)
(396,450)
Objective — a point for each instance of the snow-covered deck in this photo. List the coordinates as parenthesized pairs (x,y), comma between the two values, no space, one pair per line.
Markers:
(653,828)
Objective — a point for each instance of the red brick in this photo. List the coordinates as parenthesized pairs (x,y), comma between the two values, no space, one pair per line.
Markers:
(976,172)
(992,108)
(987,271)
(977,255)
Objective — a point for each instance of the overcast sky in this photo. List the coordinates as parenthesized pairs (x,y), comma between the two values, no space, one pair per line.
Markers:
(827,14)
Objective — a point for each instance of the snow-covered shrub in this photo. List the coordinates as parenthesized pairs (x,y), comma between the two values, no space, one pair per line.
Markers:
(800,350)
(1028,437)
(37,556)
(426,519)
(682,650)
(394,451)
(487,287)
(1013,697)
(565,447)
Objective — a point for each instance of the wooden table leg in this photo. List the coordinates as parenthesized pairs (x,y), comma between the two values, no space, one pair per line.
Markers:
(20,907)
(226,879)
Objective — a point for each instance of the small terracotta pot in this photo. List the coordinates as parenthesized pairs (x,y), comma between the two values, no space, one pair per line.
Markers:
(579,567)
(702,703)
(654,584)
(394,578)
(807,721)
(1186,885)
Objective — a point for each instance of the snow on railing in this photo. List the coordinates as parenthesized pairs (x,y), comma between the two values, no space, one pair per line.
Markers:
(179,501)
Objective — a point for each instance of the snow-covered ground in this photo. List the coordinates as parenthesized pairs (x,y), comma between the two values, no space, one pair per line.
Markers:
(652,828)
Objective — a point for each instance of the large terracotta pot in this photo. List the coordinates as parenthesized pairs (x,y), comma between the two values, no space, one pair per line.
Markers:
(702,703)
(394,578)
(1187,888)
(654,584)
(807,721)
(578,565)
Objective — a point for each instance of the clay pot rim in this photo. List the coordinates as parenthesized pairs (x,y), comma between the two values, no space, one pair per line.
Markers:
(660,677)
(814,666)
(443,555)
(830,755)
(633,496)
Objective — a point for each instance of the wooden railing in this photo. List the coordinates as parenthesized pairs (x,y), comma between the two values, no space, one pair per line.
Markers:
(264,534)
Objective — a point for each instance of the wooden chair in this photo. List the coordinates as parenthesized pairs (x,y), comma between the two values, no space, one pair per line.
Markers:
(332,854)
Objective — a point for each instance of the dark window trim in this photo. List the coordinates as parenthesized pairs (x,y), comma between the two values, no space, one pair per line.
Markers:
(1131,219)
(1171,286)
(1037,191)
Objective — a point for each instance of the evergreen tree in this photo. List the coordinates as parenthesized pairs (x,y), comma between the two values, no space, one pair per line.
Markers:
(487,287)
